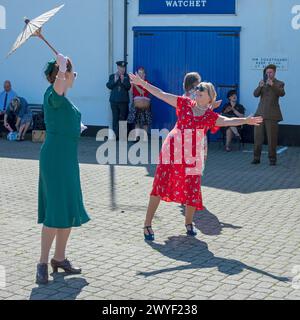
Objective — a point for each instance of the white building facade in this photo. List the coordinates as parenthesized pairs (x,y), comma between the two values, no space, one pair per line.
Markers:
(242,35)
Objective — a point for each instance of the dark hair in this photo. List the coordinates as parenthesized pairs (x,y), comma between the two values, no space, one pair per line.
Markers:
(270,66)
(190,79)
(231,93)
(52,73)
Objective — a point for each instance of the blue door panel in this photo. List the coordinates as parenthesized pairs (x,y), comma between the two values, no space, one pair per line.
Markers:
(168,55)
(161,54)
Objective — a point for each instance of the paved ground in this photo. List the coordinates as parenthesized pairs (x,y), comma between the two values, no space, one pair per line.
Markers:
(246,248)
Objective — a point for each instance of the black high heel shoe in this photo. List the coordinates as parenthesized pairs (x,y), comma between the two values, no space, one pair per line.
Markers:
(42,273)
(66,265)
(149,236)
(190,230)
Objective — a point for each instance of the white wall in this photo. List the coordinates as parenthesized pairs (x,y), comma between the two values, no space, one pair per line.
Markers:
(266,31)
(79,30)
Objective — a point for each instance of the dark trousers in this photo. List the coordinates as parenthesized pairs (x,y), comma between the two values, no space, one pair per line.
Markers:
(271,128)
(119,113)
(10,120)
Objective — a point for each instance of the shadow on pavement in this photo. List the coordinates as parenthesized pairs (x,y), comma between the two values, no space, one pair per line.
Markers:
(196,253)
(71,288)
(208,223)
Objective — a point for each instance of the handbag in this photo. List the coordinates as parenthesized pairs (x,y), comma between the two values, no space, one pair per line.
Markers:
(12,136)
(38,135)
(38,121)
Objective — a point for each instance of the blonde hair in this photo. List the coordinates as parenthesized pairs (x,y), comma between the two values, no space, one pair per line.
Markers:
(210,90)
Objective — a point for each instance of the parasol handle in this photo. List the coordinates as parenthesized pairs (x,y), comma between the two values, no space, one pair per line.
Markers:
(47,43)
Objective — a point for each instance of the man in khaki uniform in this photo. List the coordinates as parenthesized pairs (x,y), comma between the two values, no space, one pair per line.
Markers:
(269,90)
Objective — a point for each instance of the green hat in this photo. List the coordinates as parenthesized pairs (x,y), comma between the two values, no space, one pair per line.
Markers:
(50,66)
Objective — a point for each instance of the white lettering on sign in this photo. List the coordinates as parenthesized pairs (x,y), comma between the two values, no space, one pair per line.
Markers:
(296,19)
(259,63)
(185,3)
(2,18)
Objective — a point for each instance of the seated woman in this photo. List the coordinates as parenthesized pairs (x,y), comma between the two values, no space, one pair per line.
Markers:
(232,110)
(18,110)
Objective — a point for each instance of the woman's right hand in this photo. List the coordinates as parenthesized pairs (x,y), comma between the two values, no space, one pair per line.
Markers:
(62,62)
(254,121)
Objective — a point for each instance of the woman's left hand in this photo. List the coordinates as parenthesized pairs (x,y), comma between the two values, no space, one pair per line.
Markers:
(217,104)
(62,62)
(135,79)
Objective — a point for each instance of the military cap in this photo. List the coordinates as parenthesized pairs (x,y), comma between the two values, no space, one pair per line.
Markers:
(122,63)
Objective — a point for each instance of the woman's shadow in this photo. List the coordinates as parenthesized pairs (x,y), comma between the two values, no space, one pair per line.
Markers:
(195,252)
(208,223)
(71,288)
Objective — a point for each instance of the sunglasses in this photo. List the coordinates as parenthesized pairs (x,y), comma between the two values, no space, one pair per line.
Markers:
(200,88)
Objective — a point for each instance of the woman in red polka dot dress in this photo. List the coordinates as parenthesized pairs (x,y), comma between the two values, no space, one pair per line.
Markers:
(181,162)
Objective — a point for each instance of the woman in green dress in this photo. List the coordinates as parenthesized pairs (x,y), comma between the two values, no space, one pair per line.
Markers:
(60,204)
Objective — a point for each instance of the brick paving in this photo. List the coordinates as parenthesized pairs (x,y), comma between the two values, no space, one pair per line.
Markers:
(247,243)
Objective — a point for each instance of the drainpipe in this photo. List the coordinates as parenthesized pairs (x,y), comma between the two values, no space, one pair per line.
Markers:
(110,71)
(126,3)
(110,36)
(110,51)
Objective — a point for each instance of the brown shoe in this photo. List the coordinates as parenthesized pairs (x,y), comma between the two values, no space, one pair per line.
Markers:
(66,265)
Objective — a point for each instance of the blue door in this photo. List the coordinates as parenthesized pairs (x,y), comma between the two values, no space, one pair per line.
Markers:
(168,53)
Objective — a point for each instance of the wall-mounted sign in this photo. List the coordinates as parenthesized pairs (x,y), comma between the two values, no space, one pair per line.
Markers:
(187,7)
(2,17)
(259,63)
(296,18)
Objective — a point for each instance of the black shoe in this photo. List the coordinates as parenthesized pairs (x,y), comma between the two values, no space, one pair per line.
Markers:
(42,273)
(150,235)
(255,161)
(190,230)
(272,162)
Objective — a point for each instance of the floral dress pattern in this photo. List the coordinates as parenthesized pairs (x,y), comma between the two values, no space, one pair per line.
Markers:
(180,181)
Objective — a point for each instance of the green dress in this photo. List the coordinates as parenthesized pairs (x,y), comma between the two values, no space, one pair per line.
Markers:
(60,203)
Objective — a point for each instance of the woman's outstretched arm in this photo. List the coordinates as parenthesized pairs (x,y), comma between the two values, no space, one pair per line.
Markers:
(235,122)
(170,99)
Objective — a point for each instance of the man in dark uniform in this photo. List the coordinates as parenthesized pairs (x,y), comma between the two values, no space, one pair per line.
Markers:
(119,84)
(269,90)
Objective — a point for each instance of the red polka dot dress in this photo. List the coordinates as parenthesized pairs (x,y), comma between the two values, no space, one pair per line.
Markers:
(178,174)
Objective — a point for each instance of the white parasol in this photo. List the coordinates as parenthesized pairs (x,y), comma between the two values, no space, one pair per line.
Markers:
(33,28)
